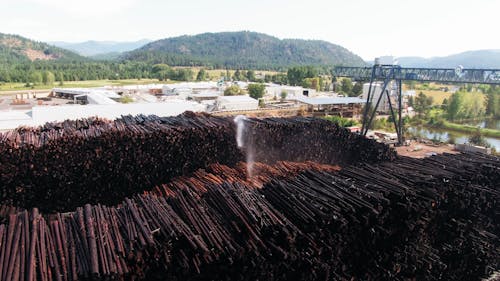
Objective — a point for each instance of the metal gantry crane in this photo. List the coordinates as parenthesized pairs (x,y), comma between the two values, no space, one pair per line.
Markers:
(388,73)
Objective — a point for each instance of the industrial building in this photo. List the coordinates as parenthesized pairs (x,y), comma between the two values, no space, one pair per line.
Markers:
(292,92)
(377,91)
(338,106)
(185,88)
(86,95)
(164,100)
(228,103)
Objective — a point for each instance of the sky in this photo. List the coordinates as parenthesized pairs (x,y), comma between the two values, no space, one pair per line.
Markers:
(369,28)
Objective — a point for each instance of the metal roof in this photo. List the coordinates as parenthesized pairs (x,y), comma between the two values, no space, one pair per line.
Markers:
(242,98)
(328,101)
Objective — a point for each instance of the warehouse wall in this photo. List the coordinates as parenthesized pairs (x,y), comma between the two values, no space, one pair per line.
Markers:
(43,114)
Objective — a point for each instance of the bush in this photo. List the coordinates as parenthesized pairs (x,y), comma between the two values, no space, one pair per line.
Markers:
(256,91)
(233,90)
(343,122)
(126,99)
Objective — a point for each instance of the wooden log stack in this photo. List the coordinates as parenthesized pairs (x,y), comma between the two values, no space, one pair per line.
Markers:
(151,198)
(395,220)
(60,166)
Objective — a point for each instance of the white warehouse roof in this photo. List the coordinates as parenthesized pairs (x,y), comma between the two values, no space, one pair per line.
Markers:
(236,99)
(98,98)
(327,100)
(191,85)
(237,103)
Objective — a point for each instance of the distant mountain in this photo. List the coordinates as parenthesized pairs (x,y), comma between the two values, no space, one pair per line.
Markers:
(242,50)
(107,56)
(92,48)
(14,48)
(470,59)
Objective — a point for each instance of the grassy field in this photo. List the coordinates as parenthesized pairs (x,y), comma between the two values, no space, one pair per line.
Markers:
(215,74)
(433,90)
(77,84)
(439,96)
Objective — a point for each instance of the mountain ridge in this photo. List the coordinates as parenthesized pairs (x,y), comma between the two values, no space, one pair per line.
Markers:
(242,49)
(15,48)
(487,58)
(92,48)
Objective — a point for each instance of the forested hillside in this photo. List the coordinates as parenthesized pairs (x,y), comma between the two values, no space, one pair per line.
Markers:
(31,62)
(15,49)
(92,48)
(470,59)
(242,50)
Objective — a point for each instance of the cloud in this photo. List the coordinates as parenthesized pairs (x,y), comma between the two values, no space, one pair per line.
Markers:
(82,9)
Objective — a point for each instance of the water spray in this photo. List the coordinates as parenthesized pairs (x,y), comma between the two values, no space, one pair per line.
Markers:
(246,147)
(240,127)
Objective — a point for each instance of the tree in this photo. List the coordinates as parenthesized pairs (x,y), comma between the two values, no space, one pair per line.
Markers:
(161,71)
(315,83)
(251,75)
(237,75)
(233,90)
(455,105)
(464,105)
(48,78)
(346,86)
(297,74)
(256,90)
(357,89)
(493,103)
(477,138)
(444,104)
(334,83)
(411,101)
(60,78)
(202,75)
(160,67)
(283,95)
(35,77)
(5,76)
(422,104)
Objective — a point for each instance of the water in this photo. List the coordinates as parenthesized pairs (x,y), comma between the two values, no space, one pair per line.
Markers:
(444,135)
(248,147)
(240,127)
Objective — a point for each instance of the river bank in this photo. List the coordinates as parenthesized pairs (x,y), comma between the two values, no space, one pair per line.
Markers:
(459,128)
(447,135)
(463,128)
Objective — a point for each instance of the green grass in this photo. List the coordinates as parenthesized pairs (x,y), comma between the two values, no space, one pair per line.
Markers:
(467,129)
(215,74)
(439,96)
(77,84)
(343,122)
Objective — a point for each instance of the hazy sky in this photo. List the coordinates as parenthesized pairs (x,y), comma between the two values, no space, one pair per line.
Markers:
(369,28)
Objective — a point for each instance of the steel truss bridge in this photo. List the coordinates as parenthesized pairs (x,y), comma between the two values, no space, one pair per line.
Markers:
(394,73)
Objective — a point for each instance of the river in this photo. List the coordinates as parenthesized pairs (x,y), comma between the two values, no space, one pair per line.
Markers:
(444,135)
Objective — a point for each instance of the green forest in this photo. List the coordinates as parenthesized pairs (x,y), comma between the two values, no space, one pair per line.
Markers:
(26,61)
(243,50)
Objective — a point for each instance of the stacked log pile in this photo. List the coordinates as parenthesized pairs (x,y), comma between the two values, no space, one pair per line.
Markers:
(301,139)
(422,219)
(61,166)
